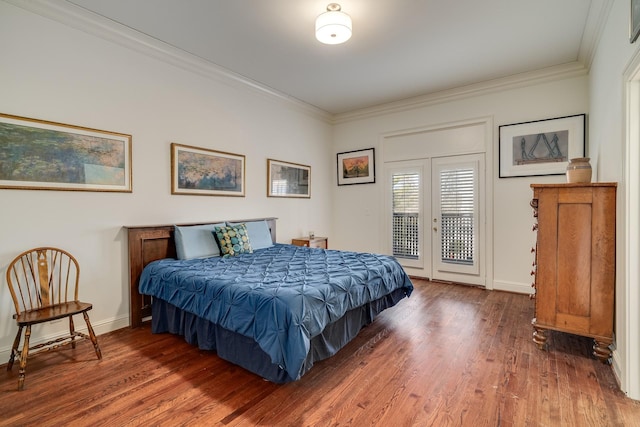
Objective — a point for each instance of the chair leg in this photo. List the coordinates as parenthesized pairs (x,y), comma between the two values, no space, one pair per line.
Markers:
(92,335)
(14,349)
(23,357)
(72,332)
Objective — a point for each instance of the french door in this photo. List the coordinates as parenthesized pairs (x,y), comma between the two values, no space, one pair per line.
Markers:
(408,201)
(437,216)
(456,215)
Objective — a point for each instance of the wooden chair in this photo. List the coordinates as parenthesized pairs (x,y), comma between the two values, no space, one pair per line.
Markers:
(44,286)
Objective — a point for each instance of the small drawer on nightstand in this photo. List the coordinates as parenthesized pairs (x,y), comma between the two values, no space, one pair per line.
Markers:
(316,242)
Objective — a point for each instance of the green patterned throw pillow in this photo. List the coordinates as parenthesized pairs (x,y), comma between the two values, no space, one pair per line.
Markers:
(233,240)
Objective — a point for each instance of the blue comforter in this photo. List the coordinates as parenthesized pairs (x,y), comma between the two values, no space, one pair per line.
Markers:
(281,296)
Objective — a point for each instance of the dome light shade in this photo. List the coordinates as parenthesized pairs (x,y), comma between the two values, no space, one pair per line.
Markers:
(333,26)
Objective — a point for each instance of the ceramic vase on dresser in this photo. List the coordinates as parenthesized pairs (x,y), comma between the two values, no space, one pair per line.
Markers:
(579,170)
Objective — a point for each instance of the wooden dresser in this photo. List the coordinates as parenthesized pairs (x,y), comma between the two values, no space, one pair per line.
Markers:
(574,265)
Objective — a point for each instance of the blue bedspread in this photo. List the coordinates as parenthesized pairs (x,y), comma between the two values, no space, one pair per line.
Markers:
(280,296)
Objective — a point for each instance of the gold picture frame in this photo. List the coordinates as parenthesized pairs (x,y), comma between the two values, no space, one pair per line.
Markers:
(286,179)
(43,155)
(204,172)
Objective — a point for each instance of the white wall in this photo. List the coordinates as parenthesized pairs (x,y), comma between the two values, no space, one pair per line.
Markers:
(607,144)
(53,72)
(357,208)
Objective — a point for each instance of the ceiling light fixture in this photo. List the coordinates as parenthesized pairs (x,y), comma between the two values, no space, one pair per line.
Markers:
(333,26)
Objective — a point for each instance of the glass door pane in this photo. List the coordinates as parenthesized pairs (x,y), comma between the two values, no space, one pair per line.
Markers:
(455,231)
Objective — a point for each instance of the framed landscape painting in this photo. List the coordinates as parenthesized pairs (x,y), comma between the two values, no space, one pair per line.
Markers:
(204,172)
(356,167)
(541,147)
(285,179)
(42,155)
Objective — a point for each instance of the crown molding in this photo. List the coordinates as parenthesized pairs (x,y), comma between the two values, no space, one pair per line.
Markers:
(596,20)
(91,23)
(564,71)
(599,11)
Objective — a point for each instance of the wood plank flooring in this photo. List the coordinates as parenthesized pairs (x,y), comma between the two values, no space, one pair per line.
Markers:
(450,355)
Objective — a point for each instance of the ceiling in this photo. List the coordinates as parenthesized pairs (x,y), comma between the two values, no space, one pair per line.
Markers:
(399,48)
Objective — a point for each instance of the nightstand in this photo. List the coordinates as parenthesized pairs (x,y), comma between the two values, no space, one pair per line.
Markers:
(316,242)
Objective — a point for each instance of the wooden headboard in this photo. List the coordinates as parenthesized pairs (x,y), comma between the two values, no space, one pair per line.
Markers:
(153,242)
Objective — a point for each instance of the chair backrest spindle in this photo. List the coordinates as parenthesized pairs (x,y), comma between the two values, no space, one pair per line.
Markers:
(43,278)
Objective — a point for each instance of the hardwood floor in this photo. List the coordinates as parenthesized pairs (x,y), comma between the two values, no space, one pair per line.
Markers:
(449,355)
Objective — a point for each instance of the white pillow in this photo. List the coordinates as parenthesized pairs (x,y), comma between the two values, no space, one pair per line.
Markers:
(258,232)
(196,241)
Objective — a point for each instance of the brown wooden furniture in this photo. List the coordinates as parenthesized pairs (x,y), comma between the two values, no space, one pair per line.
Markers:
(153,242)
(44,283)
(316,242)
(575,262)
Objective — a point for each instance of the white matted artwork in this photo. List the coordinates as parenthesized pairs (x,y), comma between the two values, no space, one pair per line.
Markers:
(286,179)
(541,147)
(204,172)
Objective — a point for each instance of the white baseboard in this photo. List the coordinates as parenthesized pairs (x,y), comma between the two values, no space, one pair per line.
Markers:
(100,328)
(615,366)
(519,288)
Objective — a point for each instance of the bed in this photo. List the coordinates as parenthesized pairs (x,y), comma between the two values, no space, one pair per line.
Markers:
(274,311)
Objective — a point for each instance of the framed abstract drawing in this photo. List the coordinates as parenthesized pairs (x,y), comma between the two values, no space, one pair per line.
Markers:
(634,21)
(204,172)
(286,179)
(42,155)
(541,147)
(356,167)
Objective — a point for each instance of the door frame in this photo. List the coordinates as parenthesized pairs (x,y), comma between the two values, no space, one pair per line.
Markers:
(484,145)
(627,341)
(475,275)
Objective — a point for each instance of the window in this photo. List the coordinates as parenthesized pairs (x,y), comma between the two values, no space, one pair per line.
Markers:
(457,208)
(405,189)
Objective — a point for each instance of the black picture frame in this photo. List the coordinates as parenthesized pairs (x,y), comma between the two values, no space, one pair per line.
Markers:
(634,21)
(356,167)
(540,147)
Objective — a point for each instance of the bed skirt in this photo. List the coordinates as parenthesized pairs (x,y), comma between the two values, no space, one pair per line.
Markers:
(245,352)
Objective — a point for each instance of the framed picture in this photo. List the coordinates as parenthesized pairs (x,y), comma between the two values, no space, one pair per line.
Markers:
(41,155)
(357,167)
(634,22)
(541,147)
(286,179)
(203,172)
